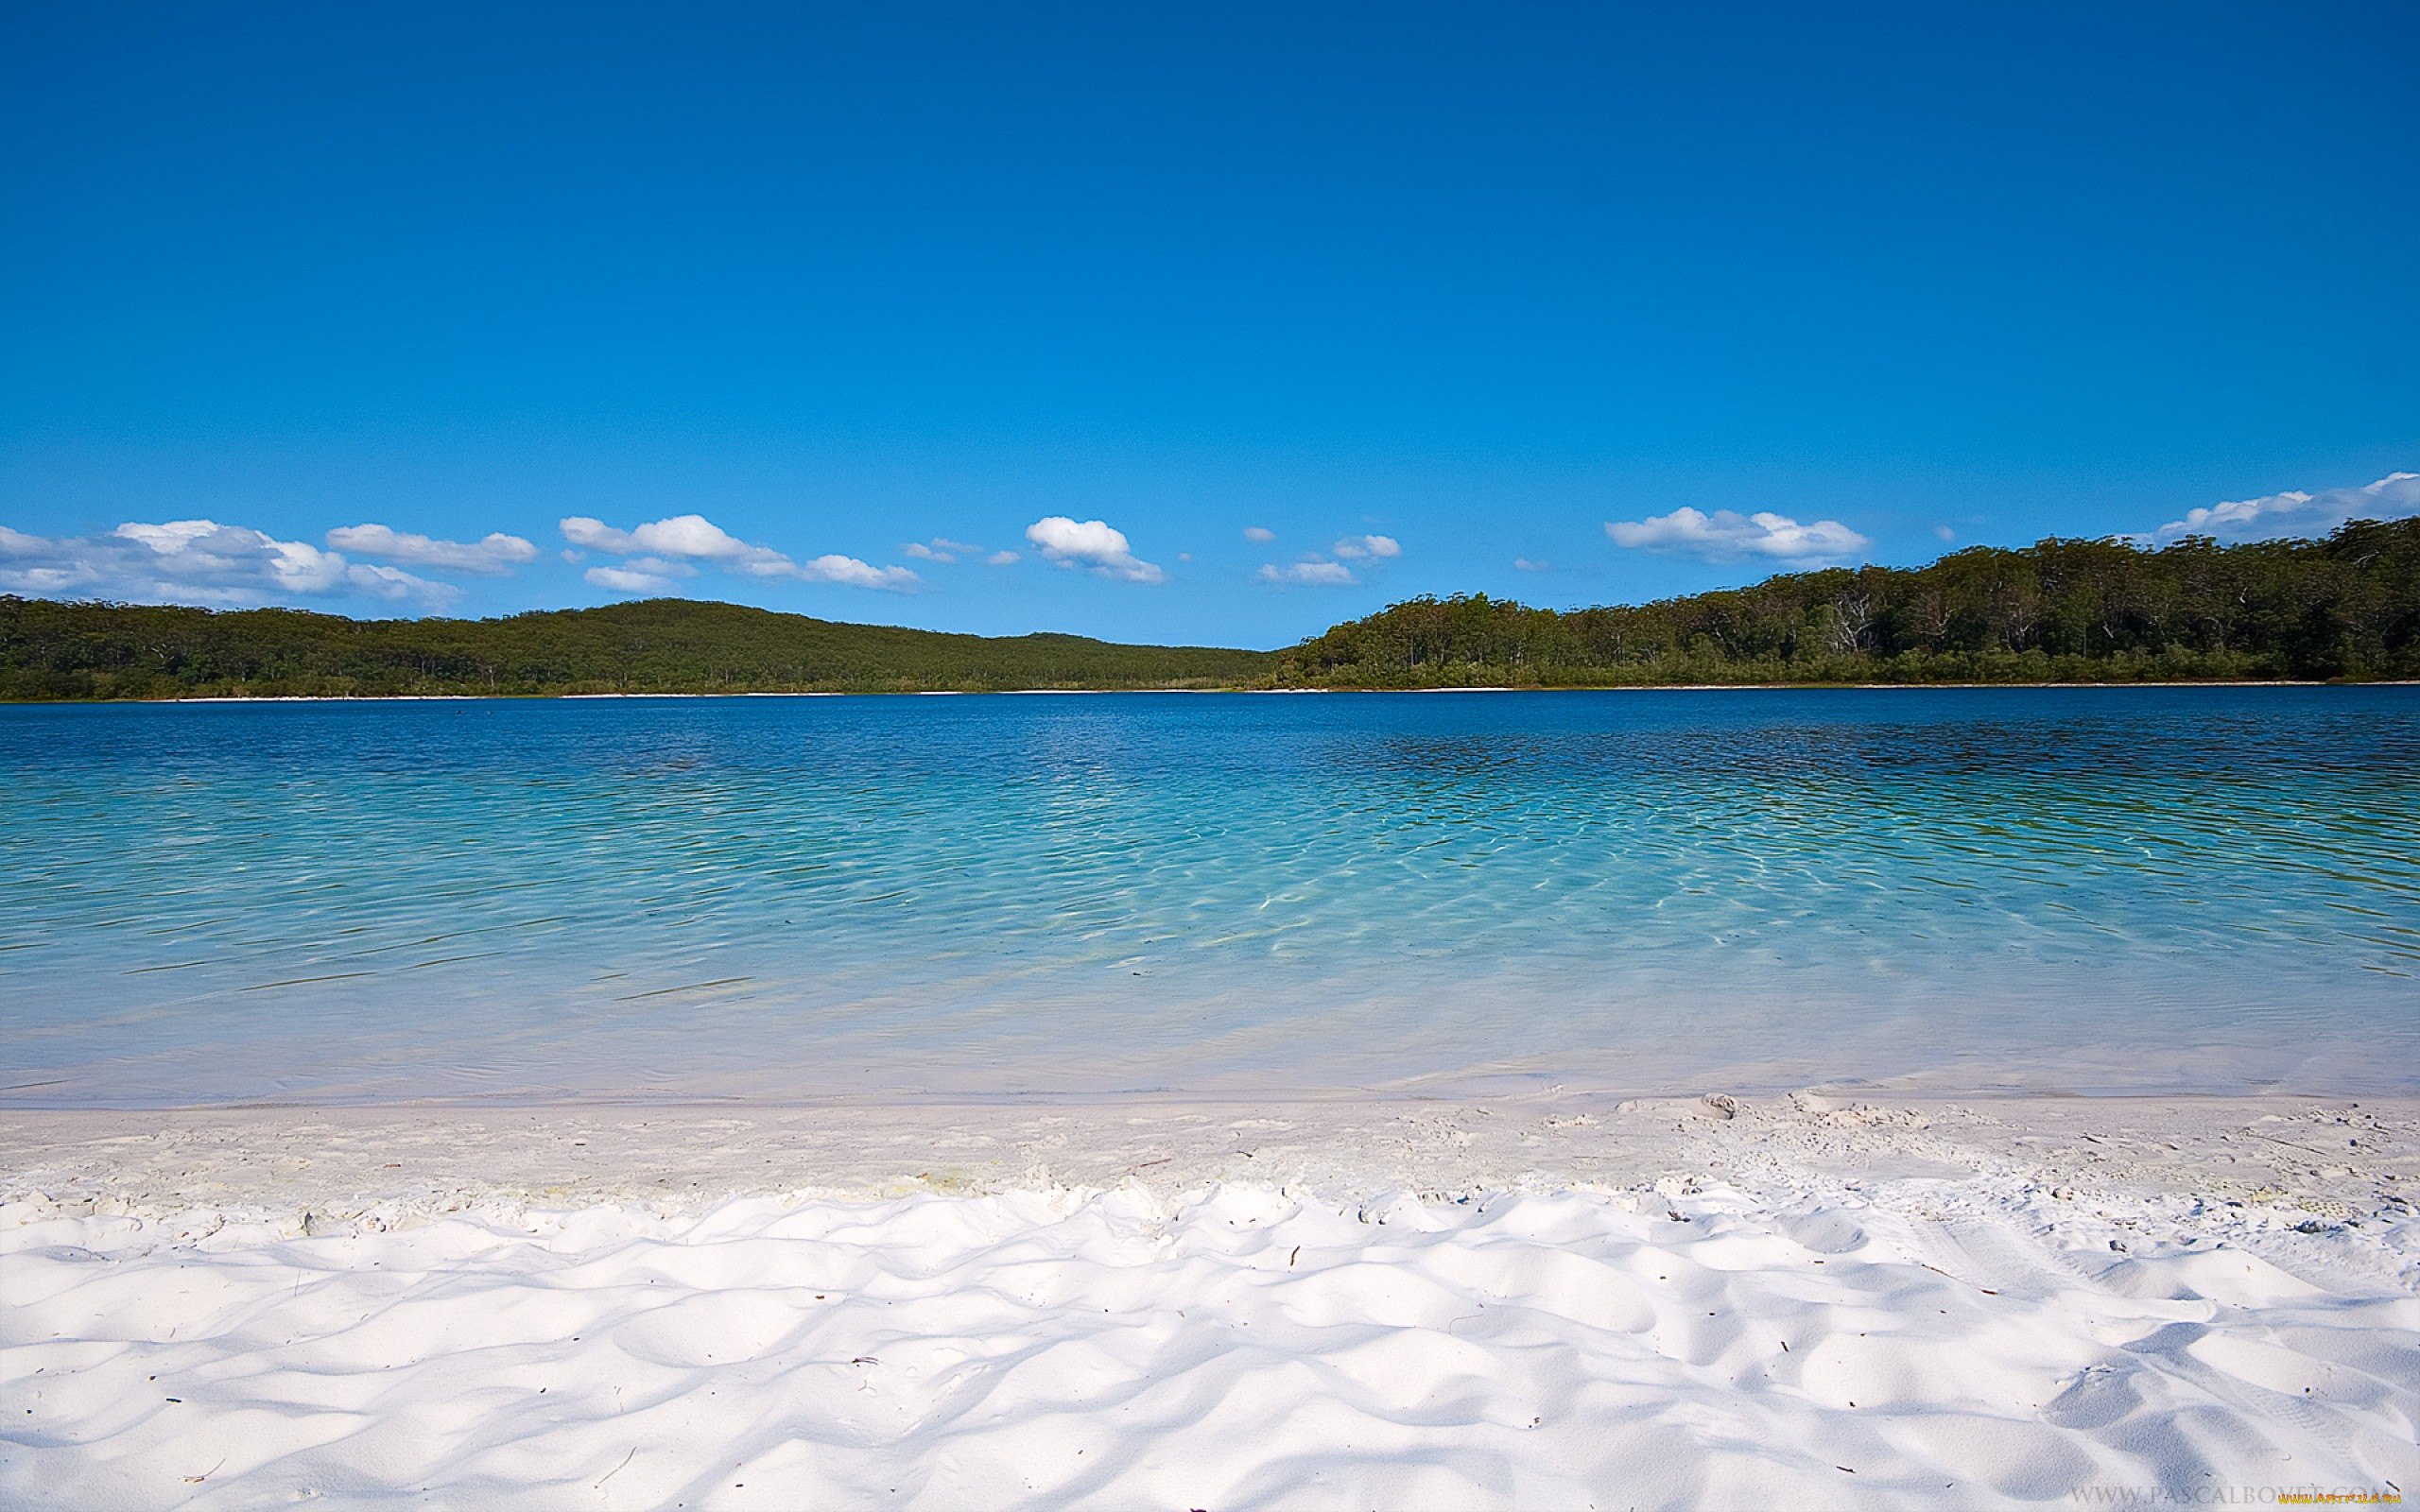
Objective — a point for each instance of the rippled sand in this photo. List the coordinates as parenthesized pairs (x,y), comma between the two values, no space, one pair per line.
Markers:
(1671,1303)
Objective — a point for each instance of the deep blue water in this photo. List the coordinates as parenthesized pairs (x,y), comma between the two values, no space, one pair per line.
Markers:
(2092,890)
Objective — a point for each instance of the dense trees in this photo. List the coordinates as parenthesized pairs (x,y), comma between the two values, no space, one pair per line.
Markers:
(2062,610)
(54,650)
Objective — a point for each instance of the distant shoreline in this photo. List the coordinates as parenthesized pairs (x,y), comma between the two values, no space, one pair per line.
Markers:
(1034,693)
(2058,613)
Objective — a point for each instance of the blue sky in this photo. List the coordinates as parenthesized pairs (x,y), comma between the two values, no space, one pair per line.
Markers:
(785,305)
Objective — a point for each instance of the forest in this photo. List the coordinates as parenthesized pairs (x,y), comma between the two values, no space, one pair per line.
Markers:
(81,651)
(2345,608)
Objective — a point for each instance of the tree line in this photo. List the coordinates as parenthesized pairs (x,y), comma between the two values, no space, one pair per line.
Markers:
(2347,607)
(52,650)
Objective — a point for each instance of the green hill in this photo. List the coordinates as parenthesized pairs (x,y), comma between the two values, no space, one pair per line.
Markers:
(61,650)
(2058,611)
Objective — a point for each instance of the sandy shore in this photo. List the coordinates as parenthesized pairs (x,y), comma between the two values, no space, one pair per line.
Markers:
(1547,1302)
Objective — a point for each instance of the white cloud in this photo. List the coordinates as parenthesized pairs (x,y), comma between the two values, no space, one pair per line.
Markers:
(1091,543)
(1259,533)
(942,549)
(34,564)
(835,569)
(200,561)
(695,538)
(492,556)
(395,583)
(1313,571)
(1526,565)
(625,581)
(1354,546)
(680,534)
(1944,532)
(1725,535)
(694,535)
(1002,558)
(597,535)
(2392,497)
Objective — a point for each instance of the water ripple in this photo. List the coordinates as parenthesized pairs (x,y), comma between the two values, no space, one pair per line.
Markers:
(768,897)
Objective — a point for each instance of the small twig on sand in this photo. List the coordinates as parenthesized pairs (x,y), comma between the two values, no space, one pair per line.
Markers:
(2324,1155)
(616,1470)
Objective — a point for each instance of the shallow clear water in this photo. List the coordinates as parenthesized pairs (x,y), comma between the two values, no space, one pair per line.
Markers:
(2092,890)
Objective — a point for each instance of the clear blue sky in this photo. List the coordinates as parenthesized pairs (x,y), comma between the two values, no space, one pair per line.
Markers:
(1469,284)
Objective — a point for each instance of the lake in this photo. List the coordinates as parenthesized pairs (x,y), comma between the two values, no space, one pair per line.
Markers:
(2087,890)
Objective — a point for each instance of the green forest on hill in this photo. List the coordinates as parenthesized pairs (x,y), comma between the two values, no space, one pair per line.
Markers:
(2347,607)
(59,650)
(2059,611)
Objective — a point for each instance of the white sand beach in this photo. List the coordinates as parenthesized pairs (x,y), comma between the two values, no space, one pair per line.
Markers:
(1806,1301)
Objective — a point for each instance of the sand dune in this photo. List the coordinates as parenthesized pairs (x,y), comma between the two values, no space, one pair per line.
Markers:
(1229,1346)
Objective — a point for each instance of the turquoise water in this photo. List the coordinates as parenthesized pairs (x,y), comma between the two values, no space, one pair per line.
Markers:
(2197,888)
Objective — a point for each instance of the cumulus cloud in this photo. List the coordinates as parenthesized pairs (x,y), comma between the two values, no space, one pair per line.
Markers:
(200,561)
(695,538)
(1002,558)
(492,555)
(630,580)
(2392,497)
(596,535)
(1726,536)
(1313,571)
(681,535)
(1259,533)
(942,549)
(1352,547)
(28,565)
(849,569)
(1526,565)
(1093,544)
